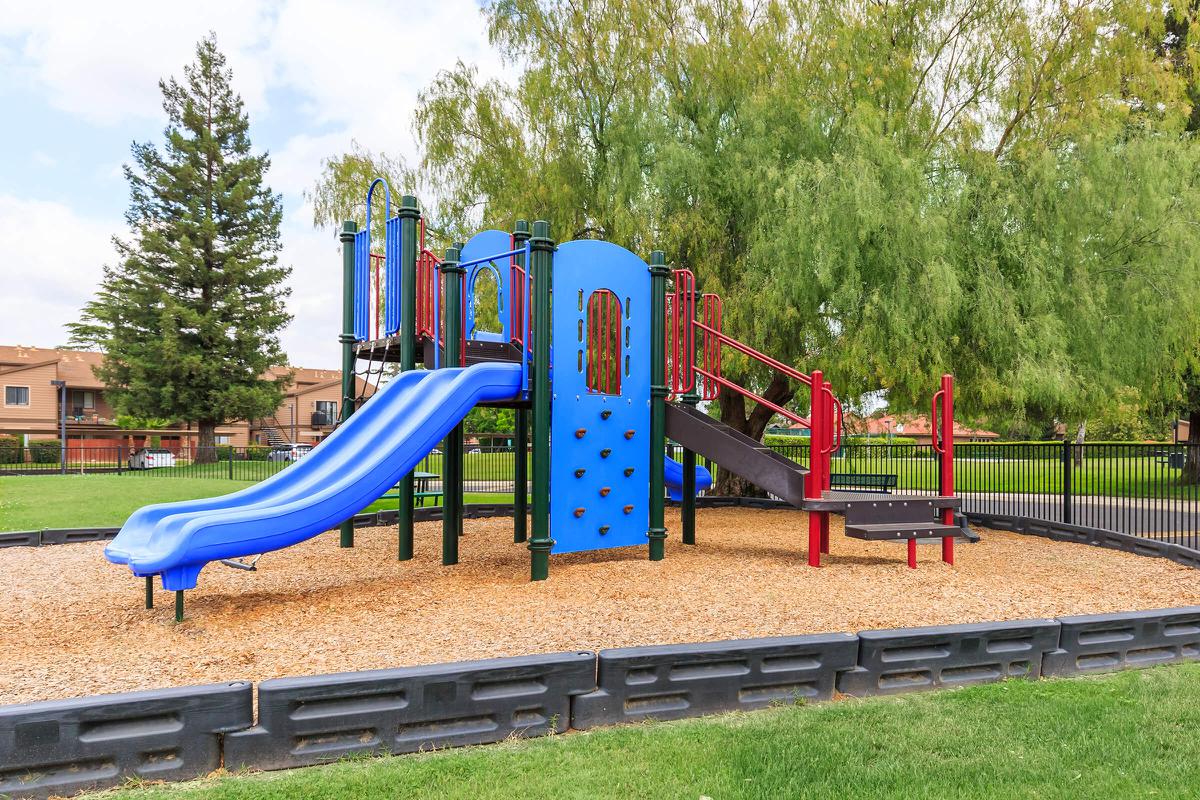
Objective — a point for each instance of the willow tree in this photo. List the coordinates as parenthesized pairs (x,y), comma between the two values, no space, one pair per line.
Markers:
(884,191)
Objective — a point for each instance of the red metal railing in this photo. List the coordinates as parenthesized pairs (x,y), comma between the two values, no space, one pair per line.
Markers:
(942,438)
(429,290)
(376,271)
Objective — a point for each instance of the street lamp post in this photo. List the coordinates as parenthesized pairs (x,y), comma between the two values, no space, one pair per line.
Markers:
(62,425)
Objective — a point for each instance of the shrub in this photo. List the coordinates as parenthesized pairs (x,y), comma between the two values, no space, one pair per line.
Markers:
(45,451)
(10,450)
(256,452)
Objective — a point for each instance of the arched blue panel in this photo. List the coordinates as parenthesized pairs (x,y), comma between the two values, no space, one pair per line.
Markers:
(483,244)
(362,264)
(612,491)
(362,285)
(391,275)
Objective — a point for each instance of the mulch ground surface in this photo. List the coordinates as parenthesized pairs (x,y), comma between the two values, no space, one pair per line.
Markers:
(72,624)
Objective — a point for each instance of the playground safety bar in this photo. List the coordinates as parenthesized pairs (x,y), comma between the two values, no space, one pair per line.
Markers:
(604,367)
(429,292)
(755,397)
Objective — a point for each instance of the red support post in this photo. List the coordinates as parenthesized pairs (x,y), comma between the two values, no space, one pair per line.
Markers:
(912,553)
(827,436)
(816,477)
(946,488)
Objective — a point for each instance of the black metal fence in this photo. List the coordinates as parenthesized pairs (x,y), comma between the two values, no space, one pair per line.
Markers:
(1134,488)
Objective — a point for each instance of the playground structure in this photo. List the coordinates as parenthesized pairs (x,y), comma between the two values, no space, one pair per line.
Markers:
(594,406)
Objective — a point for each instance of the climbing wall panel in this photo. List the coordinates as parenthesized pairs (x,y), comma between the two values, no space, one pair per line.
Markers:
(600,420)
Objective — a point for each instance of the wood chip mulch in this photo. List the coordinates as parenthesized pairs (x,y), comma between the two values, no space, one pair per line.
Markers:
(72,624)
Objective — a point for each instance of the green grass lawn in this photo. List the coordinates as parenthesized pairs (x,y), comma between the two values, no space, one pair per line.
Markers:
(1131,734)
(78,501)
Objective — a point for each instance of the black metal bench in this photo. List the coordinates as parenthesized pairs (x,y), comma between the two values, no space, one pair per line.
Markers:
(852,481)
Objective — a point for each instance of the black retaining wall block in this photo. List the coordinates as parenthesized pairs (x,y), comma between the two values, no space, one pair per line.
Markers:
(72,535)
(1059,531)
(997,522)
(21,539)
(686,680)
(61,747)
(1101,642)
(388,517)
(910,659)
(1183,555)
(325,717)
(1130,544)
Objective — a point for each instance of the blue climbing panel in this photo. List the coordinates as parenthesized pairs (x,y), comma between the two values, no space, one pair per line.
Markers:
(483,244)
(600,499)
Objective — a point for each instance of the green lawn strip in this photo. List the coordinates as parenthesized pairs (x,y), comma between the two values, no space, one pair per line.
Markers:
(1123,735)
(78,501)
(102,501)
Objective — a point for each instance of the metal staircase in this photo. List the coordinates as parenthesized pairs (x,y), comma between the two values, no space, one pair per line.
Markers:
(274,431)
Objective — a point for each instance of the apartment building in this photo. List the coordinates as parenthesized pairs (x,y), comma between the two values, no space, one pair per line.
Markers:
(31,405)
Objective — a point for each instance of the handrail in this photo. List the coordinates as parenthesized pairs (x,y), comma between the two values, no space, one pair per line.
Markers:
(750,351)
(835,444)
(746,392)
(933,426)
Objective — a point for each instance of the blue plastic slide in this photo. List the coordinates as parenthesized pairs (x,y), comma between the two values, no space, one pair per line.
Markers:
(673,477)
(381,443)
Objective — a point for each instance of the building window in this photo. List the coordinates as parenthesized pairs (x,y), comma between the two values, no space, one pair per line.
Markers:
(83,402)
(223,438)
(328,409)
(16,395)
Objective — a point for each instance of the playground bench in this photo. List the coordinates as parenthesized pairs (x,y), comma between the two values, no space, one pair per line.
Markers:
(418,497)
(862,481)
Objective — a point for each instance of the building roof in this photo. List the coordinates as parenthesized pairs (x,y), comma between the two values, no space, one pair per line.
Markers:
(902,425)
(74,366)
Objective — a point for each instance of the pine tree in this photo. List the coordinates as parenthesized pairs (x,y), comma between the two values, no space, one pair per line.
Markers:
(189,316)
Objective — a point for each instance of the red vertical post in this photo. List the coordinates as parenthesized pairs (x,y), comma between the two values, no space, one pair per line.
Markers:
(912,553)
(947,482)
(829,421)
(816,478)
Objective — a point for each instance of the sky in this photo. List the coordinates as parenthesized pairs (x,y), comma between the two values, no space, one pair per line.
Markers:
(79,84)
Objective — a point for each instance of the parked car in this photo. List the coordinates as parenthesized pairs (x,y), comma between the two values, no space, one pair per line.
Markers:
(151,458)
(288,452)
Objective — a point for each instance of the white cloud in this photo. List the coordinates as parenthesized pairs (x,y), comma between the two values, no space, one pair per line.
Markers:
(47,278)
(43,159)
(354,68)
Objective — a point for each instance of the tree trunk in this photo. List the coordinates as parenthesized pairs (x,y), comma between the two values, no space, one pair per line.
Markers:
(1080,435)
(753,424)
(1191,461)
(206,444)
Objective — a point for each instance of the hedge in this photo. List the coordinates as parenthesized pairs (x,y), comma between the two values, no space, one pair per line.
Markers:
(10,450)
(45,451)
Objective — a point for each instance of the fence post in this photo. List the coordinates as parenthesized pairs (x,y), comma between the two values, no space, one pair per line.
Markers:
(230,462)
(1067,461)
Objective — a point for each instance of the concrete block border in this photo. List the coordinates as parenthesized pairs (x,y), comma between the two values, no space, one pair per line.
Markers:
(64,746)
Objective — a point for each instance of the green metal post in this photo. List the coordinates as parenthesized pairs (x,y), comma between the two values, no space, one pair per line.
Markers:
(179,606)
(452,447)
(149,591)
(409,214)
(349,228)
(658,397)
(542,268)
(521,432)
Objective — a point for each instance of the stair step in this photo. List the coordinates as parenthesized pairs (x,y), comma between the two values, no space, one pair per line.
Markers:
(899,531)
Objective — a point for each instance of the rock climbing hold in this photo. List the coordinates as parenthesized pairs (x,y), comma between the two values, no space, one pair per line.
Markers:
(580,433)
(604,491)
(606,452)
(629,433)
(579,511)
